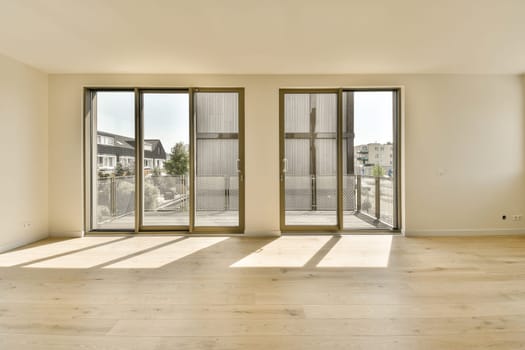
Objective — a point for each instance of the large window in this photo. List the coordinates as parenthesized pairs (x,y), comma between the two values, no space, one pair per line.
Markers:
(165,159)
(339,159)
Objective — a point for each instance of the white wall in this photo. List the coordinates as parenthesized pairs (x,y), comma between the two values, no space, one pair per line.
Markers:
(469,128)
(23,154)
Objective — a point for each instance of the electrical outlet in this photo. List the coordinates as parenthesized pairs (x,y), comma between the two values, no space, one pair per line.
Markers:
(517,217)
(27,225)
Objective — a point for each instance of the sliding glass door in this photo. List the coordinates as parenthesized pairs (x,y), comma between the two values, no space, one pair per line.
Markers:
(165,160)
(219,164)
(339,165)
(309,159)
(369,159)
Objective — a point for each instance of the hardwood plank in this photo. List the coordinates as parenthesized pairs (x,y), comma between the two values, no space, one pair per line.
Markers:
(486,340)
(84,342)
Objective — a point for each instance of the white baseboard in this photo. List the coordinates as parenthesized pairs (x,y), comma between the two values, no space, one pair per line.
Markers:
(71,234)
(465,232)
(271,233)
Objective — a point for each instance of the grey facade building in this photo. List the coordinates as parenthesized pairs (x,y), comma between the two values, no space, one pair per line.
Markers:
(113,149)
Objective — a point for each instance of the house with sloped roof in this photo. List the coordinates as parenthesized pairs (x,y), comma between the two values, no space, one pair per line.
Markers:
(113,149)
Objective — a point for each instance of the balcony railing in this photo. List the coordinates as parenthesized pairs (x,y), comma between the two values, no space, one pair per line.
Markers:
(165,193)
(368,195)
(375,197)
(115,197)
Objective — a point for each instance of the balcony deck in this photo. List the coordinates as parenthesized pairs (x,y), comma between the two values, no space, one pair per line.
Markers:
(352,220)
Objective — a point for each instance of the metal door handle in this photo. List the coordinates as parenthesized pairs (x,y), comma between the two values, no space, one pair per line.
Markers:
(239,171)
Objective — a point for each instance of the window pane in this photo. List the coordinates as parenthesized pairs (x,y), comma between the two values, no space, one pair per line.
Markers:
(166,159)
(217,159)
(114,180)
(368,173)
(310,159)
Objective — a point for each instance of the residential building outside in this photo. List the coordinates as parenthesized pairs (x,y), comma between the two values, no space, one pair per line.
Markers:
(366,157)
(113,149)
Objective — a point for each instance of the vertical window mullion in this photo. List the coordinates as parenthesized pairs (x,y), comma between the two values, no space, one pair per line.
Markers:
(339,170)
(139,174)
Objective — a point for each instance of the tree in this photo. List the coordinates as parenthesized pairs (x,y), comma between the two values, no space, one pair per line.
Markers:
(378,171)
(119,170)
(178,163)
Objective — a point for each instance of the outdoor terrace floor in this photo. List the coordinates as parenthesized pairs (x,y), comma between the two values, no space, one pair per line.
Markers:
(352,220)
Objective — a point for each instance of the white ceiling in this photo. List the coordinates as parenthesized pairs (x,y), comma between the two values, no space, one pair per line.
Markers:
(265,36)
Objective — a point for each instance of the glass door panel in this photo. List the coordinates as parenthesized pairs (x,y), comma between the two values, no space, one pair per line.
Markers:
(218,160)
(309,162)
(165,146)
(368,159)
(113,161)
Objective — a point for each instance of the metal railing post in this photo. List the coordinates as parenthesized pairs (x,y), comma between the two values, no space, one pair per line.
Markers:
(358,192)
(226,192)
(113,196)
(378,197)
(185,193)
(314,192)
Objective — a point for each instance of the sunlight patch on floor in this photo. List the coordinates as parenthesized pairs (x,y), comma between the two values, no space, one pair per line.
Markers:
(47,250)
(99,255)
(359,251)
(162,256)
(285,251)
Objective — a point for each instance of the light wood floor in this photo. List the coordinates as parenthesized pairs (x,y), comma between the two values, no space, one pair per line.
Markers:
(293,292)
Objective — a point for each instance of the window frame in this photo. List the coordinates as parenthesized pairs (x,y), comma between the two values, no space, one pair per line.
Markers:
(90,160)
(397,95)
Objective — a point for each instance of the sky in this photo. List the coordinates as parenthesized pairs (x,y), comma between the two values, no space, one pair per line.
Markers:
(373,118)
(166,116)
(115,113)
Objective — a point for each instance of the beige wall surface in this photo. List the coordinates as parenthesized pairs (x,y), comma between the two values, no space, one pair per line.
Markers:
(463,147)
(23,151)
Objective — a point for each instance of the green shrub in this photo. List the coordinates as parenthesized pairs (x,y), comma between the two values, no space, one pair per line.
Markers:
(125,196)
(366,205)
(151,196)
(102,213)
(103,192)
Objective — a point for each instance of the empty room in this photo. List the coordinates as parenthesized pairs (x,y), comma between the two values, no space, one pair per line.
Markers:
(281,174)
